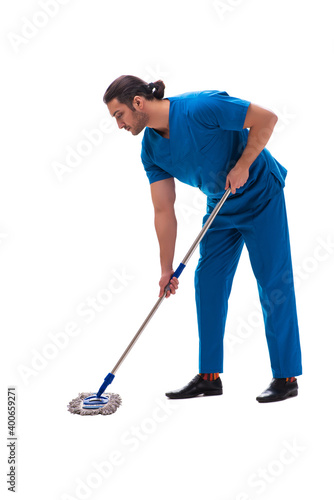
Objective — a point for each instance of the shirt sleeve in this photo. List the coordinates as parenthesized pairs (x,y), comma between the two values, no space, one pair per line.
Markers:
(218,109)
(153,172)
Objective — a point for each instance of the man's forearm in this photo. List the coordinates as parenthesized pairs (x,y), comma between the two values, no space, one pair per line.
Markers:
(260,129)
(258,136)
(166,226)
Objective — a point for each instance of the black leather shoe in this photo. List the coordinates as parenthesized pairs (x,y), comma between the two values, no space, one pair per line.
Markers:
(198,386)
(278,390)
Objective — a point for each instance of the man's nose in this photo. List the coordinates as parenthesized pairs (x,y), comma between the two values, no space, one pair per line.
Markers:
(120,124)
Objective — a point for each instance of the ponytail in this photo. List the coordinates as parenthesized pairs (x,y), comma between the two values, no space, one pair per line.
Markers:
(126,87)
(157,89)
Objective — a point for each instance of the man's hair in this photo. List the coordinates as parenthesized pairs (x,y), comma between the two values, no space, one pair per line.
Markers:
(126,87)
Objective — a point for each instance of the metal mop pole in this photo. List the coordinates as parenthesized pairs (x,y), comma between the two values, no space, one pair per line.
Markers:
(109,378)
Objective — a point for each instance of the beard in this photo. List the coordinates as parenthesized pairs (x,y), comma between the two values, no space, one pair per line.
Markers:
(140,121)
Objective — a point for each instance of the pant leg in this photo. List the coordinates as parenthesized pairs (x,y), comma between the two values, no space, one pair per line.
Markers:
(220,251)
(266,236)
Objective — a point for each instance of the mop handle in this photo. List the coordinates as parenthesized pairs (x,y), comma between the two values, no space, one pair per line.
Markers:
(200,236)
(176,275)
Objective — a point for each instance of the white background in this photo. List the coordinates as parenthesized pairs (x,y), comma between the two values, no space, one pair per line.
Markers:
(63,237)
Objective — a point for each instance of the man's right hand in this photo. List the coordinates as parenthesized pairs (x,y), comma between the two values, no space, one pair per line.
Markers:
(164,280)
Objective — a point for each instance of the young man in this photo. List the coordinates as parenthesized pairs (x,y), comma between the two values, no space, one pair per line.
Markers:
(202,139)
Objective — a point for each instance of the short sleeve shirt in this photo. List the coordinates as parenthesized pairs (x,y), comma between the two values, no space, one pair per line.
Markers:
(206,139)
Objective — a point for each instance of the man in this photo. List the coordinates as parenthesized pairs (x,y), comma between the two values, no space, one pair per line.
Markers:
(202,139)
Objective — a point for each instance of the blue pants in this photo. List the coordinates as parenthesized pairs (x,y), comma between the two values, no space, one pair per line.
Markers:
(264,230)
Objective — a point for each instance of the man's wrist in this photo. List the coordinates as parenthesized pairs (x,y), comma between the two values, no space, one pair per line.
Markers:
(243,163)
(166,269)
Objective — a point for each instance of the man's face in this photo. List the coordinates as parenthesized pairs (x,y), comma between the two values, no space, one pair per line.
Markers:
(132,121)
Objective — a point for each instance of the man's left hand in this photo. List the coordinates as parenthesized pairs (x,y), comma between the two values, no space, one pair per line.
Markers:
(237,178)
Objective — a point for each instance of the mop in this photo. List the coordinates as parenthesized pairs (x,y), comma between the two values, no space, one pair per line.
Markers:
(103,403)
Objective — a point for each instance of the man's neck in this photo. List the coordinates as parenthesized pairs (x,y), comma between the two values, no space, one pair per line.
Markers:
(159,116)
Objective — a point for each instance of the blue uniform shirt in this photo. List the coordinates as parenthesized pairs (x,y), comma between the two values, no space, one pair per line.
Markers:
(206,139)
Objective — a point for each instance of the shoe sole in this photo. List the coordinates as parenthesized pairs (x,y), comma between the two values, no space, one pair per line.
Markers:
(211,393)
(293,394)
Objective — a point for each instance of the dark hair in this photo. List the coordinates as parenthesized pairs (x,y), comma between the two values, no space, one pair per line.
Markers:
(126,87)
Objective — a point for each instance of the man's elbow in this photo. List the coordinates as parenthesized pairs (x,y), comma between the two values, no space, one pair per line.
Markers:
(164,208)
(259,117)
(273,118)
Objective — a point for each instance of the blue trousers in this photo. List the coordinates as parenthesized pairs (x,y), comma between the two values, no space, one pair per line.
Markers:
(264,230)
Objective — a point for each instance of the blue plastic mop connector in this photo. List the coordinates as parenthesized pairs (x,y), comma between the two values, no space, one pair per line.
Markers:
(109,378)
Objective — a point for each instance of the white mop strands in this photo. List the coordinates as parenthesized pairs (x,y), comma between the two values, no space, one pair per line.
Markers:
(105,405)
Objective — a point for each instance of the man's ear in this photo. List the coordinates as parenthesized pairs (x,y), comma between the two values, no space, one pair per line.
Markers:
(138,103)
